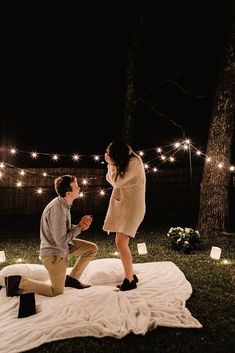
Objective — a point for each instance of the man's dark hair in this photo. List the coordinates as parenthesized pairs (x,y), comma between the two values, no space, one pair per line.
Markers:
(63,184)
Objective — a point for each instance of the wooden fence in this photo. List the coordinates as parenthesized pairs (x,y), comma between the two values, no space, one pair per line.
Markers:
(168,192)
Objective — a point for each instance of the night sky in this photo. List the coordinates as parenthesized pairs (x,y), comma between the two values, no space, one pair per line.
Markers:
(63,72)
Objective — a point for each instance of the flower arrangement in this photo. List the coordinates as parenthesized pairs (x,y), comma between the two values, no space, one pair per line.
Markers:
(184,239)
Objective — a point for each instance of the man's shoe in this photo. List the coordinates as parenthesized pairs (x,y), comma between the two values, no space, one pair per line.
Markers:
(127,285)
(27,305)
(135,279)
(12,285)
(74,283)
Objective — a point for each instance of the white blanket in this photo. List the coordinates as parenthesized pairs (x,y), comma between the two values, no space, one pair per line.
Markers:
(100,311)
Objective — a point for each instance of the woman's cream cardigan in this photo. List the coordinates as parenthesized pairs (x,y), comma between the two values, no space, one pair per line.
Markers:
(126,208)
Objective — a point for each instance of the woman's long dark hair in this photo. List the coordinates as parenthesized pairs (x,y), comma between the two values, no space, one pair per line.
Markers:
(121,153)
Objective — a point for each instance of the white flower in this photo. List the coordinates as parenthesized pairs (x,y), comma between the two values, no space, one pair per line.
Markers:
(184,239)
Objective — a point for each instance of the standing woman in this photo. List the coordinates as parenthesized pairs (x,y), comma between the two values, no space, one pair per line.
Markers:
(126,208)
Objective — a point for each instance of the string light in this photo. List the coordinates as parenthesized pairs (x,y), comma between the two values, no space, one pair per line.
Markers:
(96,158)
(76,157)
(22,172)
(13,151)
(102,192)
(39,191)
(165,154)
(55,157)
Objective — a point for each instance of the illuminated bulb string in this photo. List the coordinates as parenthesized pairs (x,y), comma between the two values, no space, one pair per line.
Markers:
(153,158)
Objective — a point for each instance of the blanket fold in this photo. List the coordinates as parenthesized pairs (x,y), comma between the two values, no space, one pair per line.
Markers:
(99,311)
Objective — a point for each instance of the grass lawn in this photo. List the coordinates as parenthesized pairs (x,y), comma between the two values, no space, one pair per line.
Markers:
(212,301)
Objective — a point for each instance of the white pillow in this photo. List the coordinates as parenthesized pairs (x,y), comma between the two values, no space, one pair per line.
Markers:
(97,272)
(34,271)
(103,271)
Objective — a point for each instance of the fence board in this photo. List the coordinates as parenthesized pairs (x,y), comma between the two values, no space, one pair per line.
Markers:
(170,191)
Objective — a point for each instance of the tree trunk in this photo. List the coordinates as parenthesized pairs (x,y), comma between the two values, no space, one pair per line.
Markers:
(130,101)
(214,194)
(131,88)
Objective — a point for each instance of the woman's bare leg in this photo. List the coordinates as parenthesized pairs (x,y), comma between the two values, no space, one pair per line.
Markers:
(122,243)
